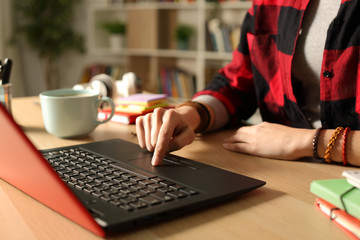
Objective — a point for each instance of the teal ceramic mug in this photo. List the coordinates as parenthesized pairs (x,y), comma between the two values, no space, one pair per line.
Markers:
(70,113)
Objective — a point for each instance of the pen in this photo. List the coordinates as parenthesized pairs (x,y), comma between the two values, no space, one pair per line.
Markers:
(1,72)
(6,71)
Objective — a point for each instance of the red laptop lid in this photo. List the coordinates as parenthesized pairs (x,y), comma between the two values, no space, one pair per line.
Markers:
(23,166)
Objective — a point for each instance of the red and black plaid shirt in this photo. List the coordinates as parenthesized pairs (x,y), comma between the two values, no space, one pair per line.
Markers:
(260,72)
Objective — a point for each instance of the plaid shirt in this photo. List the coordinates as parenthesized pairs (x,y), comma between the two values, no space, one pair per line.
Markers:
(259,74)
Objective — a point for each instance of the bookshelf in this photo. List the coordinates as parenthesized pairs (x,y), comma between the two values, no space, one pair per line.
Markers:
(150,44)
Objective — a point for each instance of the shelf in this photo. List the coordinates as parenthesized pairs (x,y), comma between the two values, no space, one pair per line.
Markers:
(218,56)
(172,5)
(162,53)
(146,5)
(145,52)
(150,41)
(230,5)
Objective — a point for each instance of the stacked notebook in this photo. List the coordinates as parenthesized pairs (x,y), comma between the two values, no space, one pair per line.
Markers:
(130,107)
(339,199)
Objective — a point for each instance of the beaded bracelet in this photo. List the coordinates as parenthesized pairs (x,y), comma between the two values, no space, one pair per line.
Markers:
(315,143)
(331,144)
(203,113)
(344,157)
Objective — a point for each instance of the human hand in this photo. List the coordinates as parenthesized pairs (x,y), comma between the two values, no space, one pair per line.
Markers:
(162,131)
(271,141)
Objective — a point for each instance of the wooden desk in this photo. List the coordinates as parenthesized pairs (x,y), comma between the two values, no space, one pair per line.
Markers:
(282,209)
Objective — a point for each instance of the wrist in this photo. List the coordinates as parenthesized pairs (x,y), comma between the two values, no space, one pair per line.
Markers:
(190,115)
(202,113)
(305,146)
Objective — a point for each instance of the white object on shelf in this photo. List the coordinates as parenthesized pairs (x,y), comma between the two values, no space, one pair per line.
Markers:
(116,41)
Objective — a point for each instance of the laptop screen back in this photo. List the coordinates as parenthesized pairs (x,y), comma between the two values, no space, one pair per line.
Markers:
(23,166)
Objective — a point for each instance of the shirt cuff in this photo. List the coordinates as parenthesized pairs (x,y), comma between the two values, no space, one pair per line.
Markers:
(221,115)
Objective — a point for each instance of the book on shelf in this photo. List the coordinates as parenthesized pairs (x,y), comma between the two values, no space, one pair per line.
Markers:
(339,193)
(114,71)
(115,1)
(226,34)
(349,224)
(209,46)
(235,36)
(176,83)
(216,35)
(221,37)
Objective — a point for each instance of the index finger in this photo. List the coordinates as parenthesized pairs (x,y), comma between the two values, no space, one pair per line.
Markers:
(164,137)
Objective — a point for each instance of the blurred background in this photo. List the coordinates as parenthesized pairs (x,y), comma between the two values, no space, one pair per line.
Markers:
(28,73)
(174,46)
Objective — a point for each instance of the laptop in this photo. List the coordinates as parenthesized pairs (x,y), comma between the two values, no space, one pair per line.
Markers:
(110,186)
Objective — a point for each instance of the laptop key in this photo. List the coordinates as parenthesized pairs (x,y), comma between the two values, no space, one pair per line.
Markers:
(167,183)
(127,175)
(155,185)
(119,196)
(138,187)
(165,189)
(157,179)
(177,187)
(146,182)
(71,183)
(137,178)
(150,200)
(128,183)
(137,194)
(126,191)
(91,184)
(129,200)
(49,156)
(148,190)
(162,196)
(189,191)
(126,207)
(138,204)
(177,194)
(88,190)
(107,199)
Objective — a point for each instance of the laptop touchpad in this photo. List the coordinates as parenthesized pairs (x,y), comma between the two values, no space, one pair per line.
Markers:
(168,161)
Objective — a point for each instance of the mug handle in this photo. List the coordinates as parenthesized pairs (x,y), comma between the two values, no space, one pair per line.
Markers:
(112,106)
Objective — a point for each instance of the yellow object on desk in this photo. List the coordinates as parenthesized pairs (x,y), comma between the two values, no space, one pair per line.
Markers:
(141,102)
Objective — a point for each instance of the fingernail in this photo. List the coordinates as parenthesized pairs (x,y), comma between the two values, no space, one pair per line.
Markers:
(155,160)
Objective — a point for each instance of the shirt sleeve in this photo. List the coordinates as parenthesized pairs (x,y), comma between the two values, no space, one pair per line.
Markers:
(233,86)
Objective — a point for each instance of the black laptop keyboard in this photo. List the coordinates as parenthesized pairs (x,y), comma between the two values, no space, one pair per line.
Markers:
(108,180)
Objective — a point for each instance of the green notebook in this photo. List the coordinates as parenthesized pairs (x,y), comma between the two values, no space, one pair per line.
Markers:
(332,190)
